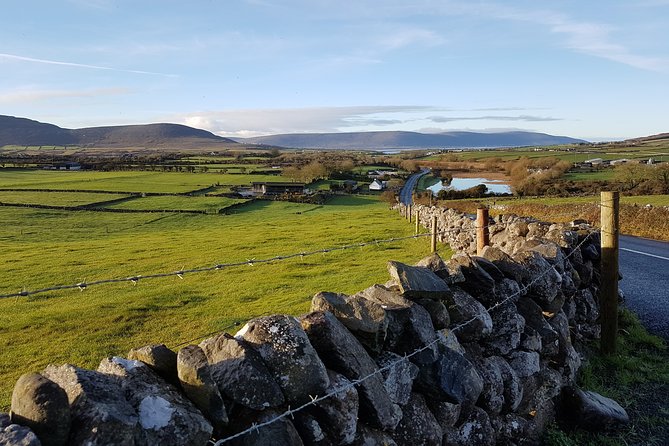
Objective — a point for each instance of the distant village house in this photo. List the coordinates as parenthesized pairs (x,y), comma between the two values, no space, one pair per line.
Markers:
(377,185)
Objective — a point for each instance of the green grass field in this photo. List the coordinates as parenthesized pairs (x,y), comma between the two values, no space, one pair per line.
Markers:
(210,204)
(43,248)
(123,181)
(55,198)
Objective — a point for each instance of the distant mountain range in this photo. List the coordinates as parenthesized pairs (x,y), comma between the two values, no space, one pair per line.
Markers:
(409,140)
(26,132)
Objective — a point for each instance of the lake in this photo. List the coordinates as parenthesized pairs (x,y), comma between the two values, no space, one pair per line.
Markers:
(494,186)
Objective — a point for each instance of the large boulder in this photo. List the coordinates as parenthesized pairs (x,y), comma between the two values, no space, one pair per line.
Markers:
(591,411)
(452,378)
(398,376)
(161,359)
(364,318)
(17,435)
(285,348)
(418,426)
(199,386)
(416,282)
(41,405)
(338,414)
(469,319)
(166,417)
(240,373)
(101,415)
(342,352)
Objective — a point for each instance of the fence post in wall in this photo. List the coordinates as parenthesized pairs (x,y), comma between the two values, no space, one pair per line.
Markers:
(609,290)
(482,234)
(433,243)
(409,213)
(417,222)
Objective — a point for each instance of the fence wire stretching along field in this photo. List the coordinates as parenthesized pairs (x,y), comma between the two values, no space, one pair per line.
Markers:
(216,267)
(316,399)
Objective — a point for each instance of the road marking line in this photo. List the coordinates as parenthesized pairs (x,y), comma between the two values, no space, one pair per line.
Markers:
(645,253)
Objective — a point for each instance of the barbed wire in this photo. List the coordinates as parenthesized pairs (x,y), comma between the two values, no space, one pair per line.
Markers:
(316,399)
(219,266)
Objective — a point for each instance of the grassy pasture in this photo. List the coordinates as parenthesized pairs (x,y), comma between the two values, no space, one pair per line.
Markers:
(198,203)
(42,248)
(55,198)
(172,182)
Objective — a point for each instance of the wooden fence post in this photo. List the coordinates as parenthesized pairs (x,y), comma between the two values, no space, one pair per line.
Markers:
(482,234)
(433,243)
(409,213)
(417,222)
(609,264)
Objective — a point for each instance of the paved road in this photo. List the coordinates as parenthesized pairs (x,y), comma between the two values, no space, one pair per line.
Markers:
(410,185)
(644,265)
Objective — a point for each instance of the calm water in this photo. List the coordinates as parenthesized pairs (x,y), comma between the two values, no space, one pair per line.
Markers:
(495,186)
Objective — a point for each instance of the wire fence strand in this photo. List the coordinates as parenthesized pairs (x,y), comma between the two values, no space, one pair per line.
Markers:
(316,399)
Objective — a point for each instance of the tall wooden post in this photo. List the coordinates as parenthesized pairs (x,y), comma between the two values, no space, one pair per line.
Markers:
(417,222)
(433,244)
(482,234)
(409,212)
(609,290)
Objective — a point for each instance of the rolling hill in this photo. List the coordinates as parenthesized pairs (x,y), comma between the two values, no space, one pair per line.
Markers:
(409,140)
(26,132)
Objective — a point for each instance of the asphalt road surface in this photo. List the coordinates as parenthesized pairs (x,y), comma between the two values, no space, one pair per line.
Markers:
(644,265)
(410,185)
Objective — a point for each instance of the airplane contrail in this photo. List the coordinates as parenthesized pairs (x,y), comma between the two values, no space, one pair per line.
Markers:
(79,65)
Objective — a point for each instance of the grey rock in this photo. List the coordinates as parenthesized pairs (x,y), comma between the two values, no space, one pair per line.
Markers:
(388,298)
(449,340)
(562,237)
(452,378)
(530,340)
(455,274)
(513,387)
(240,373)
(510,429)
(199,386)
(568,359)
(463,308)
(537,229)
(363,317)
(338,415)
(525,364)
(4,420)
(446,414)
(434,263)
(418,282)
(342,352)
(16,435)
(535,318)
(505,263)
(41,405)
(592,411)
(587,310)
(161,359)
(289,356)
(279,433)
(367,436)
(544,282)
(398,376)
(418,333)
(476,430)
(418,426)
(492,395)
(552,253)
(101,415)
(518,228)
(437,311)
(508,289)
(489,267)
(166,417)
(478,282)
(508,328)
(310,430)
(589,251)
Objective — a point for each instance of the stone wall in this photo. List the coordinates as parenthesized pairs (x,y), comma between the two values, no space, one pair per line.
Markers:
(471,351)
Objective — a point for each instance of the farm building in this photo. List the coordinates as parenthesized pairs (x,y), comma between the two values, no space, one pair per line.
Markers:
(377,185)
(277,188)
(594,161)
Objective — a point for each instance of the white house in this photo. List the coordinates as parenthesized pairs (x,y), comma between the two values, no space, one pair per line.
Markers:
(377,185)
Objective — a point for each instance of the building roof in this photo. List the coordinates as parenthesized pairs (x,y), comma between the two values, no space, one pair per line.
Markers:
(278,184)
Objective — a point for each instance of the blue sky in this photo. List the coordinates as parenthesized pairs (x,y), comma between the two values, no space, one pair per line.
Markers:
(596,69)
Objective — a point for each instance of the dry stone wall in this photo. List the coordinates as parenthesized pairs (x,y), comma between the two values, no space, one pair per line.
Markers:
(469,351)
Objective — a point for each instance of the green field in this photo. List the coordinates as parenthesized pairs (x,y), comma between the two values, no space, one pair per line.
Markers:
(599,175)
(171,182)
(210,204)
(55,198)
(42,248)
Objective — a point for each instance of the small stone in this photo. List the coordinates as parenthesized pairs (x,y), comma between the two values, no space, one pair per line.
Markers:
(592,411)
(278,433)
(418,426)
(41,405)
(16,435)
(437,311)
(367,436)
(434,263)
(478,282)
(471,319)
(398,377)
(338,415)
(446,414)
(476,430)
(161,359)
(525,364)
